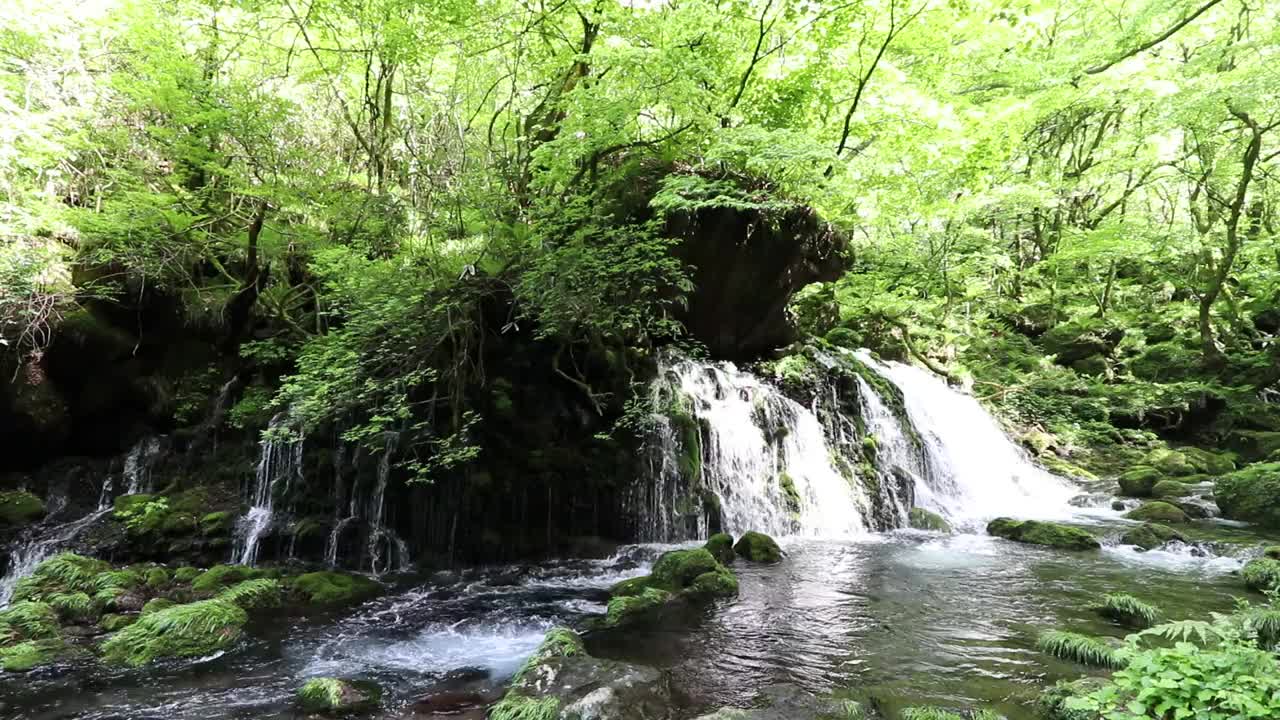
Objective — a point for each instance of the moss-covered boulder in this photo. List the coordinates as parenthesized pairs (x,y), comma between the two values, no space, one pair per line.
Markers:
(156,605)
(1170,462)
(677,569)
(1158,512)
(1049,534)
(18,508)
(336,696)
(1210,463)
(220,576)
(186,574)
(1080,339)
(562,682)
(112,622)
(720,546)
(693,575)
(332,588)
(1262,574)
(632,609)
(1139,481)
(758,547)
(253,594)
(1251,494)
(630,586)
(182,631)
(1170,489)
(217,523)
(1151,535)
(1254,445)
(922,519)
(75,584)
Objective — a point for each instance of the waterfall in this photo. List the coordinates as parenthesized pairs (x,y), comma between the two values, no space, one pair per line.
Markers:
(728,451)
(971,470)
(137,465)
(279,459)
(381,538)
(897,453)
(40,543)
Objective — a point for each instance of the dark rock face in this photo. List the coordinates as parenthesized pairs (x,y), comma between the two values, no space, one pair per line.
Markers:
(746,266)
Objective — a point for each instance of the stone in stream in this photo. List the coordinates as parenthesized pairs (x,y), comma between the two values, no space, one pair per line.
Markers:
(562,682)
(694,576)
(1251,494)
(1151,535)
(921,519)
(1049,534)
(758,547)
(720,546)
(1158,511)
(338,696)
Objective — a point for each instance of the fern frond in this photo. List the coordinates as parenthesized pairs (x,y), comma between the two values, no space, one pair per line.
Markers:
(1081,649)
(1183,630)
(1128,610)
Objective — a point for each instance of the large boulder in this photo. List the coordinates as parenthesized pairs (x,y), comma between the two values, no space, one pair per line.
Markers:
(1158,512)
(758,547)
(1139,481)
(562,682)
(1151,535)
(921,519)
(1074,341)
(1251,494)
(1049,534)
(692,576)
(720,546)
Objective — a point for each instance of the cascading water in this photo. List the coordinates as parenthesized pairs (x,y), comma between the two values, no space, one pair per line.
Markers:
(137,464)
(971,469)
(384,545)
(40,543)
(280,459)
(738,453)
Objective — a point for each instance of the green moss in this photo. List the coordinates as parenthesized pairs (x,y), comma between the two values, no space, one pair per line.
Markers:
(220,576)
(930,713)
(217,523)
(922,519)
(1150,535)
(1255,445)
(186,574)
(789,494)
(1049,534)
(24,656)
(1139,481)
(520,707)
(1158,512)
(758,547)
(1129,611)
(156,605)
(19,507)
(1251,494)
(63,574)
(1170,462)
(332,695)
(630,609)
(717,583)
(333,588)
(1058,466)
(558,642)
(157,577)
(1210,463)
(73,606)
(27,620)
(113,622)
(720,546)
(1170,488)
(677,569)
(182,631)
(630,586)
(253,594)
(1262,574)
(1272,551)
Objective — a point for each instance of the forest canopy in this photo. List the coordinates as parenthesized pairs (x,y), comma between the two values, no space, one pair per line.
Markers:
(335,188)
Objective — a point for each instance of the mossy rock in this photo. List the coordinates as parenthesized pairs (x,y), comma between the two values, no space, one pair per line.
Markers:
(1262,574)
(28,655)
(1158,512)
(182,631)
(630,586)
(1170,489)
(1170,462)
(1210,463)
(1048,534)
(18,508)
(221,522)
(677,569)
(921,519)
(179,524)
(332,588)
(1251,494)
(155,605)
(1151,535)
(631,609)
(186,574)
(720,546)
(1139,481)
(714,584)
(336,696)
(758,547)
(1272,551)
(113,622)
(254,594)
(1254,445)
(220,576)
(559,642)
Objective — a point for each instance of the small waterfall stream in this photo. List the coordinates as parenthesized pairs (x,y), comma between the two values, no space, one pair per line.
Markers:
(280,459)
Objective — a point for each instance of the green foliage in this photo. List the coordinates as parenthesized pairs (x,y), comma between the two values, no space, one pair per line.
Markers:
(630,609)
(253,410)
(559,642)
(333,588)
(758,547)
(333,695)
(1262,574)
(1252,494)
(1158,512)
(141,514)
(519,707)
(1049,534)
(19,508)
(182,631)
(720,546)
(220,576)
(677,569)
(1080,649)
(253,594)
(1128,610)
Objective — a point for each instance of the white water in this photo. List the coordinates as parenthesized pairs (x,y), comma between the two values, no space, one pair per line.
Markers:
(44,542)
(137,465)
(753,439)
(278,460)
(974,471)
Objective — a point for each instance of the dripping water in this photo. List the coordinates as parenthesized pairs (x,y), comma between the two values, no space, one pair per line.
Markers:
(280,459)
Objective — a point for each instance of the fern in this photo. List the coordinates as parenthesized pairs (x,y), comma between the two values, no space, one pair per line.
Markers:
(191,630)
(253,594)
(75,606)
(1129,611)
(930,713)
(518,707)
(1181,630)
(27,620)
(1081,649)
(1265,623)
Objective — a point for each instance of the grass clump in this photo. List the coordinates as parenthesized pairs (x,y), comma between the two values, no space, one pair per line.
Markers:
(183,631)
(629,609)
(326,694)
(253,594)
(220,576)
(1262,574)
(333,588)
(519,707)
(1081,649)
(1129,611)
(25,656)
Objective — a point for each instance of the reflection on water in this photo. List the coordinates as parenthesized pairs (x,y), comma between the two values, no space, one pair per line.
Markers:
(906,617)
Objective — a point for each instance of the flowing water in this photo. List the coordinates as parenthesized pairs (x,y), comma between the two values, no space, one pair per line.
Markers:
(905,617)
(279,462)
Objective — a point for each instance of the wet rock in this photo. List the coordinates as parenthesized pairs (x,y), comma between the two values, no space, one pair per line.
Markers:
(922,519)
(451,702)
(720,546)
(1151,535)
(1158,512)
(335,696)
(332,588)
(1251,494)
(562,682)
(1139,481)
(1049,534)
(758,547)
(1169,489)
(19,508)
